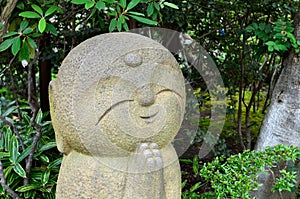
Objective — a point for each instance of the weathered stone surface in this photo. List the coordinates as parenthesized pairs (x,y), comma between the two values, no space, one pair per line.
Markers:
(116,105)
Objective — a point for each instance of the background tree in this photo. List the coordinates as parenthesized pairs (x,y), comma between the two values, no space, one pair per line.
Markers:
(281,124)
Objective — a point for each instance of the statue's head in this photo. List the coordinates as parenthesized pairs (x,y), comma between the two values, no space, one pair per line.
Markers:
(114,91)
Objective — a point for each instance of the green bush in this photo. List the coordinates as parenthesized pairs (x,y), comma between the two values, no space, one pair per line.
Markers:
(236,176)
(29,160)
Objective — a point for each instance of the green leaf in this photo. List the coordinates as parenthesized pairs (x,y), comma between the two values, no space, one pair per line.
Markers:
(39,117)
(262,26)
(123,3)
(270,48)
(50,28)
(16,45)
(136,13)
(4,154)
(112,25)
(119,25)
(42,25)
(112,13)
(45,177)
(278,24)
(277,29)
(282,47)
(7,139)
(150,9)
(14,149)
(109,1)
(2,142)
(186,160)
(125,26)
(47,146)
(23,25)
(183,184)
(79,2)
(196,164)
(255,25)
(89,4)
(29,14)
(291,36)
(38,9)
(156,6)
(6,44)
(36,35)
(19,170)
(10,34)
(249,29)
(195,186)
(55,163)
(27,31)
(24,154)
(7,171)
(132,4)
(44,158)
(50,11)
(289,29)
(24,52)
(121,19)
(144,20)
(171,5)
(20,5)
(31,54)
(270,43)
(100,5)
(27,187)
(31,42)
(1,25)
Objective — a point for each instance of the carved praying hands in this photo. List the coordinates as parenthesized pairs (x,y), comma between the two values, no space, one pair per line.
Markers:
(146,178)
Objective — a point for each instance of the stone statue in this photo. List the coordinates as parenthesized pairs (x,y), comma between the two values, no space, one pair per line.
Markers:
(116,105)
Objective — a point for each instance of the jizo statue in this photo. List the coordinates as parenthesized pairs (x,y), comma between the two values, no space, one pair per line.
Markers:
(116,105)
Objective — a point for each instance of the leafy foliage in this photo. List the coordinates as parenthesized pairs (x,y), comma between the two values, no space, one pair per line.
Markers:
(278,37)
(17,137)
(38,18)
(236,176)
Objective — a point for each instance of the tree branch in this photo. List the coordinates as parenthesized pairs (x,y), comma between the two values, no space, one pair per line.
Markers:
(30,156)
(34,105)
(5,14)
(14,88)
(32,97)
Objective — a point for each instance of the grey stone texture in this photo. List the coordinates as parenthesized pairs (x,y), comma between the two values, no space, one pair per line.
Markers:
(116,105)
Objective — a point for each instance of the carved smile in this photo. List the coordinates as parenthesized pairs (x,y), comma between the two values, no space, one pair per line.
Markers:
(149,118)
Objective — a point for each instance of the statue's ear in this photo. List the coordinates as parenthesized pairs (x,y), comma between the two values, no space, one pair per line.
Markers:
(62,145)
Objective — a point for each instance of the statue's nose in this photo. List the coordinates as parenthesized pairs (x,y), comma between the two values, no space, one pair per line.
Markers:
(145,96)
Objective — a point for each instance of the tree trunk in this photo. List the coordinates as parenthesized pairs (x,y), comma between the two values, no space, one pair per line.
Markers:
(5,14)
(281,124)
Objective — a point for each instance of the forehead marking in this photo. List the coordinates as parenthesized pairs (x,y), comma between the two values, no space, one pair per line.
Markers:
(133,59)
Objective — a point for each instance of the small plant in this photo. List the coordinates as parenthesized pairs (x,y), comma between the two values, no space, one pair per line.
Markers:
(236,176)
(286,181)
(193,192)
(29,162)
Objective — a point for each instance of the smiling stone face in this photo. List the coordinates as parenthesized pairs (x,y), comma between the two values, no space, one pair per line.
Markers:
(119,96)
(143,104)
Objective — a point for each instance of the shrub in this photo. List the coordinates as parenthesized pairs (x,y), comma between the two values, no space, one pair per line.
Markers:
(236,176)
